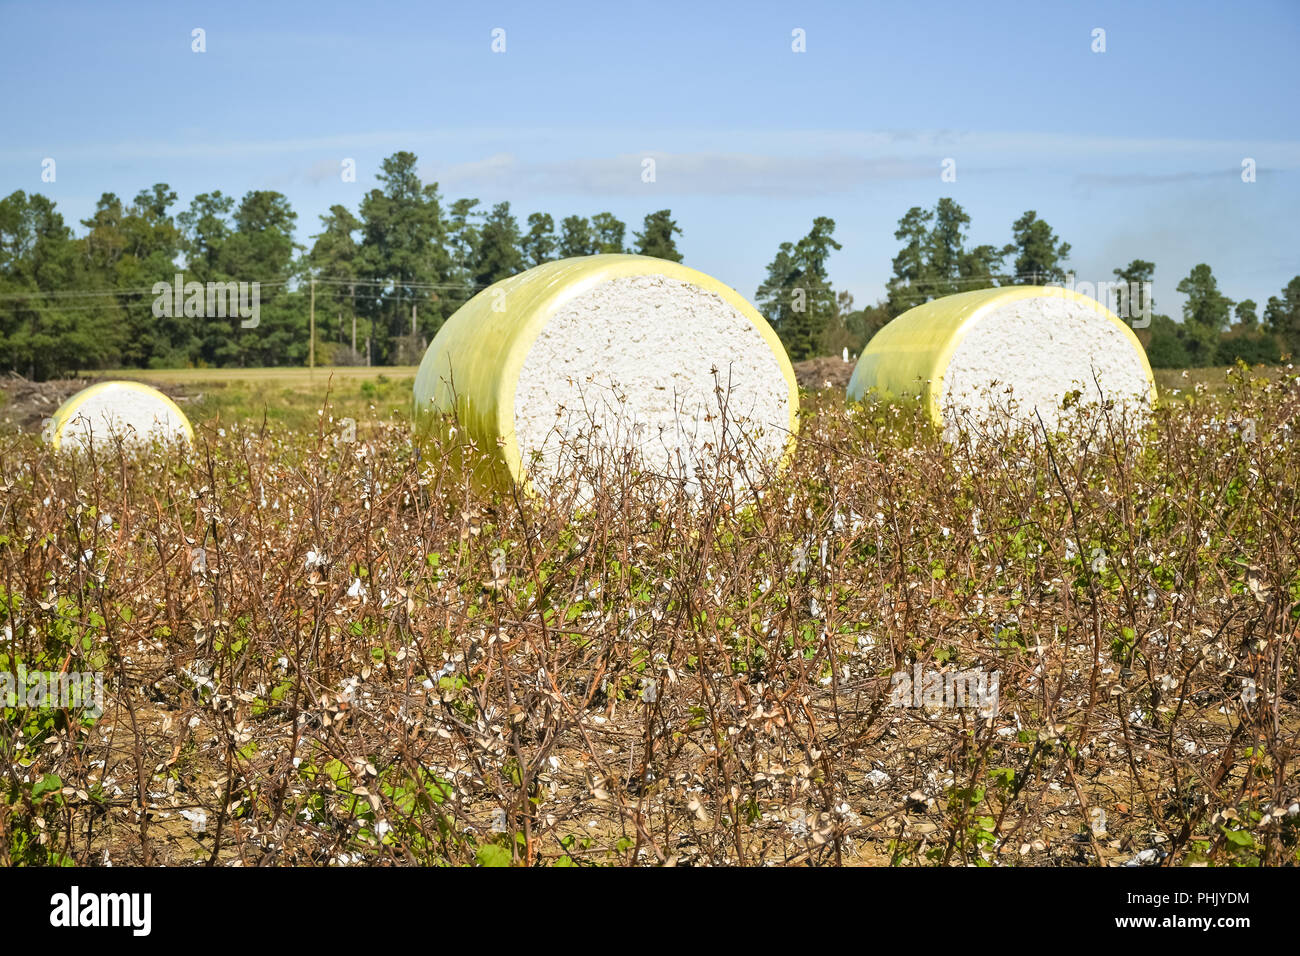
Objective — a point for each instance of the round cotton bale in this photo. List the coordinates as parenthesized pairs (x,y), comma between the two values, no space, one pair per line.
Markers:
(109,413)
(1006,355)
(608,353)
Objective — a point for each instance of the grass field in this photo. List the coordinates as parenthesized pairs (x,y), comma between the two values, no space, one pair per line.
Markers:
(288,377)
(289,396)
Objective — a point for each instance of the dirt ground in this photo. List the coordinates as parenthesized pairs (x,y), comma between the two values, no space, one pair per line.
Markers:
(829,371)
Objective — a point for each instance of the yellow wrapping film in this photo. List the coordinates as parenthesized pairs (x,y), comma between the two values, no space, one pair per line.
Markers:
(477,355)
(909,356)
(68,410)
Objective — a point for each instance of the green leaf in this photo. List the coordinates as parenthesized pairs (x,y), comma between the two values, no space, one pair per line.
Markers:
(49,782)
(492,854)
(1239,837)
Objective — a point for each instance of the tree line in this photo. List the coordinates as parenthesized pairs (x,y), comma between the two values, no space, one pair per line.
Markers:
(383,278)
(388,274)
(936,259)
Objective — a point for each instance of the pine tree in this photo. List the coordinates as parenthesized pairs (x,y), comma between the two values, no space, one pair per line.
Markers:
(796,297)
(498,254)
(404,244)
(576,238)
(1039,252)
(656,236)
(539,244)
(608,231)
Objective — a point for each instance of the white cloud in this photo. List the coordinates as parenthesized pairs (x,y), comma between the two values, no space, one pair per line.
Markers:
(677,174)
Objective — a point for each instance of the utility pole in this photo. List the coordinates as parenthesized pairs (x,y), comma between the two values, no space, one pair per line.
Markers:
(354,332)
(311,345)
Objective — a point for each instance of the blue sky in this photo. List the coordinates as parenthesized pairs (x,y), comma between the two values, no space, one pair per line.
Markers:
(1134,152)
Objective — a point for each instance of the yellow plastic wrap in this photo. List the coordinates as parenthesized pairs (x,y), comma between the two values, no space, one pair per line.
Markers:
(67,412)
(472,366)
(909,356)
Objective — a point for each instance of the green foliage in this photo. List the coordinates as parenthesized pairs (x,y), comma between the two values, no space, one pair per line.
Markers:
(852,328)
(66,632)
(656,236)
(1282,316)
(934,260)
(796,297)
(576,238)
(404,253)
(608,231)
(1038,251)
(392,271)
(498,255)
(1166,343)
(41,335)
(333,262)
(1249,346)
(1206,307)
(1137,271)
(539,244)
(1247,315)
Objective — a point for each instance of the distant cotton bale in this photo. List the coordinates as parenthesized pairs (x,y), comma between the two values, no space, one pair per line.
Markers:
(609,353)
(1012,355)
(109,413)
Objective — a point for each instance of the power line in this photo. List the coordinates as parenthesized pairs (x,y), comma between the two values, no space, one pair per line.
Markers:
(75,293)
(375,284)
(404,285)
(104,293)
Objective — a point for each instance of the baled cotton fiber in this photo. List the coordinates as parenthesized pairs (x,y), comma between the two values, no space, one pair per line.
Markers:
(107,413)
(602,355)
(1012,354)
